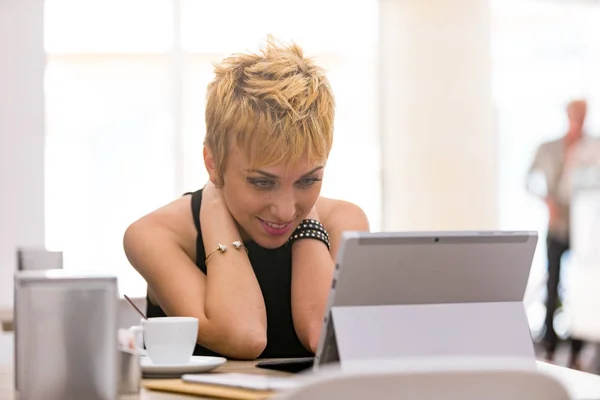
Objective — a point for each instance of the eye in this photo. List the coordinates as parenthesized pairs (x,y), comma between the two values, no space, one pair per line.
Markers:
(261,183)
(308,182)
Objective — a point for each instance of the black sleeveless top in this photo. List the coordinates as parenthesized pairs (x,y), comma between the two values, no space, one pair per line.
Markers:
(273,270)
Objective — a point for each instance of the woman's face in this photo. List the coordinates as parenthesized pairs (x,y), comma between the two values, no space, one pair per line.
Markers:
(268,203)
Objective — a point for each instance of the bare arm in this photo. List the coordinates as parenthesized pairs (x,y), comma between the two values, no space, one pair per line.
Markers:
(227,302)
(312,271)
(233,295)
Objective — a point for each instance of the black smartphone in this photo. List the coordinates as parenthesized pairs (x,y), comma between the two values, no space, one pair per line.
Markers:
(293,365)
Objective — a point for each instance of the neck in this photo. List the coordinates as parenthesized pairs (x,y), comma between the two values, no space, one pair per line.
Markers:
(572,137)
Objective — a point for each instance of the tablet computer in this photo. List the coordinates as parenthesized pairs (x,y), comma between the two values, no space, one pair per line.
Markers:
(424,268)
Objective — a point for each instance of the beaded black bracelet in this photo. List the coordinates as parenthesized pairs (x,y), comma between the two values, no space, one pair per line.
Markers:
(312,224)
(310,229)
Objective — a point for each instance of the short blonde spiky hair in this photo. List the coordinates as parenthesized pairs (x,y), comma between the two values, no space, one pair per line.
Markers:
(275,106)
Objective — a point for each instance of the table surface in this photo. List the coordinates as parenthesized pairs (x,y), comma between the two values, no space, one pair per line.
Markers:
(7,391)
(581,385)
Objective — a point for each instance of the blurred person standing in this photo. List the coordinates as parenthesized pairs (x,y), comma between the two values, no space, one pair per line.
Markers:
(549,179)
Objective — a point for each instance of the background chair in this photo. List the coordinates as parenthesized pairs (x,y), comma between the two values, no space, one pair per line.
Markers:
(431,380)
(38,259)
(127,315)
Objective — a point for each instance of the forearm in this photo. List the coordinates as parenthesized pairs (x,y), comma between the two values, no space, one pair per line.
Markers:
(312,272)
(234,301)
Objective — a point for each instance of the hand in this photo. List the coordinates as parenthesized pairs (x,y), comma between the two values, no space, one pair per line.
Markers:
(213,207)
(211,193)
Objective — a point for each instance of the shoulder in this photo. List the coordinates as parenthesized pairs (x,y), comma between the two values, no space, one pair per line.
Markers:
(589,142)
(586,152)
(173,221)
(341,215)
(550,145)
(548,153)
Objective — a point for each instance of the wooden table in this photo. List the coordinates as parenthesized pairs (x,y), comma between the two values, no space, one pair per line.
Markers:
(7,382)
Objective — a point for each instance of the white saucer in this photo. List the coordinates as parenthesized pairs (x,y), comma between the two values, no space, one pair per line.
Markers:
(196,364)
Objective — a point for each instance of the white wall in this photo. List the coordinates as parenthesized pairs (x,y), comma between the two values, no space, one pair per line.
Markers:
(439,146)
(21,134)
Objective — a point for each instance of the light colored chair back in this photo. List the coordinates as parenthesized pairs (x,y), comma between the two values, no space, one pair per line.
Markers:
(483,379)
(38,259)
(7,344)
(127,315)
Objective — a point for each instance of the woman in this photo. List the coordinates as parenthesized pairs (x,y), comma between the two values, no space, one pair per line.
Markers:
(252,254)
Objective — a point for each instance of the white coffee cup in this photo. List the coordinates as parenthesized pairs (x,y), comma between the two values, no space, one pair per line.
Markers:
(169,340)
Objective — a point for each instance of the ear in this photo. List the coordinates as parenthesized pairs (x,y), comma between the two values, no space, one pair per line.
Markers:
(211,166)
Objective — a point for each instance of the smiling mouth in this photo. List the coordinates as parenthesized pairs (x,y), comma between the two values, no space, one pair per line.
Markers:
(275,229)
(274,225)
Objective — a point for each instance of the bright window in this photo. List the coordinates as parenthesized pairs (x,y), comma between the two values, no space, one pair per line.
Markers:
(125,92)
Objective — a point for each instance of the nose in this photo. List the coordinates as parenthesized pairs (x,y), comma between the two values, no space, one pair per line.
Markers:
(283,207)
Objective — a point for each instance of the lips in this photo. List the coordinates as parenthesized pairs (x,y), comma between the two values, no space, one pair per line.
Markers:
(275,229)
